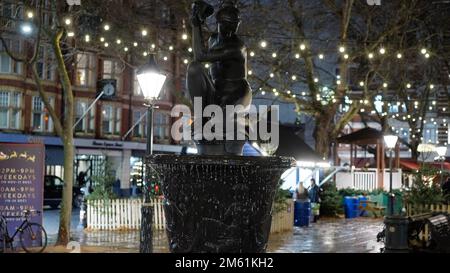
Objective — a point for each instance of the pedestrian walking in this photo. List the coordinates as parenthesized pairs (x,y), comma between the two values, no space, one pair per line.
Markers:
(314,197)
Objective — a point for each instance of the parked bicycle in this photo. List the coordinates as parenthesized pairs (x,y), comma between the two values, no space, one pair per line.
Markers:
(33,237)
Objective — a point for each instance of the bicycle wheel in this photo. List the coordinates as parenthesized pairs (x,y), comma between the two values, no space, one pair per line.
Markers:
(33,238)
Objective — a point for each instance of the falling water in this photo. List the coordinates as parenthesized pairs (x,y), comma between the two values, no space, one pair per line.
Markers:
(217,204)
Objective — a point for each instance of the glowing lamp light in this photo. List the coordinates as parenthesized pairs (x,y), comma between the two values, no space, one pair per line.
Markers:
(391,141)
(150,79)
(441,150)
(26,28)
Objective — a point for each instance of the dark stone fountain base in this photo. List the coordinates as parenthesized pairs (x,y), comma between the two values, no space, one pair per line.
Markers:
(218,204)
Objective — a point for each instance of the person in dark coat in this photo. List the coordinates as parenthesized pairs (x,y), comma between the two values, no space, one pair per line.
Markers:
(314,197)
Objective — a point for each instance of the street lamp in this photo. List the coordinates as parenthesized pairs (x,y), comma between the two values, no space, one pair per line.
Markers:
(396,226)
(391,141)
(151,81)
(442,151)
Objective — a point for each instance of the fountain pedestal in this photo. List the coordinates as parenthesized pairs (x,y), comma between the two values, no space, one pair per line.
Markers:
(218,204)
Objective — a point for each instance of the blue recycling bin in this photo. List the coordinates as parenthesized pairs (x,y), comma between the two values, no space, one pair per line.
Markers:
(351,207)
(302,212)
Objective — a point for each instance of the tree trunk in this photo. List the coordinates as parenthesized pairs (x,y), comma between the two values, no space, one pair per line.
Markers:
(66,203)
(322,135)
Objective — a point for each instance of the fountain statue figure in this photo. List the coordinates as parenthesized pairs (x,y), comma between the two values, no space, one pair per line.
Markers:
(226,83)
(218,201)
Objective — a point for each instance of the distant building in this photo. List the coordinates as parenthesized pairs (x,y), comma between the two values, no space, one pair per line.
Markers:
(102,133)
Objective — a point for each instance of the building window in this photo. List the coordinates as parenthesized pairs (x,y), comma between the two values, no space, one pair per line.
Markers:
(11,14)
(86,67)
(162,126)
(87,124)
(40,119)
(45,63)
(136,87)
(7,64)
(430,133)
(140,130)
(113,70)
(111,120)
(10,110)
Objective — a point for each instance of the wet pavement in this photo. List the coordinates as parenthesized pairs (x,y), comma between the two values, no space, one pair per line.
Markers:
(331,236)
(327,236)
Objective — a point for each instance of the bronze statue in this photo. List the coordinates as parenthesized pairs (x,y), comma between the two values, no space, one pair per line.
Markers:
(226,83)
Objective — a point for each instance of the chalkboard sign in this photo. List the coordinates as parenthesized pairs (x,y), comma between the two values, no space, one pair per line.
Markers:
(21,182)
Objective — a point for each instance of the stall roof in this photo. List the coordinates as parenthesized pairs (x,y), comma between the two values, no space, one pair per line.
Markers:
(291,145)
(362,137)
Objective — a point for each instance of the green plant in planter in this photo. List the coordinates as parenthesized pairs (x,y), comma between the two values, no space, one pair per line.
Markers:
(103,183)
(424,191)
(281,197)
(351,192)
(331,201)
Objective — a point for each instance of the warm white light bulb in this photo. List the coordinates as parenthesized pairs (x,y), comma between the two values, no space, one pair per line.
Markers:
(252,54)
(399,55)
(144,32)
(263,44)
(68,21)
(342,49)
(302,47)
(370,55)
(382,50)
(184,36)
(106,27)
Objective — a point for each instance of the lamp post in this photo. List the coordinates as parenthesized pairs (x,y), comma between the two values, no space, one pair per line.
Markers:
(151,81)
(442,151)
(390,141)
(396,231)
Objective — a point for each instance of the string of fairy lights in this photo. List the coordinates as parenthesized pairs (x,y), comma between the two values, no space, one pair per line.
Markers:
(326,94)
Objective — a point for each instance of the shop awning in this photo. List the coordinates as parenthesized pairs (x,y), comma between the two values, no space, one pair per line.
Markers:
(291,145)
(362,137)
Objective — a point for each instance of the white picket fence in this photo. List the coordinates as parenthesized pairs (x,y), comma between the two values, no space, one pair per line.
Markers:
(121,214)
(367,179)
(125,214)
